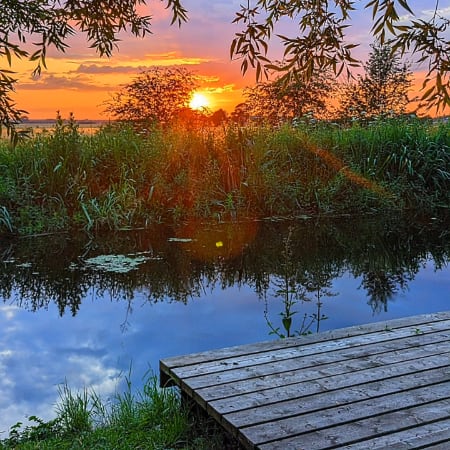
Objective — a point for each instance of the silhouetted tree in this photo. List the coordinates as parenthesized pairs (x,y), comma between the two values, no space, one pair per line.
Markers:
(382,91)
(282,100)
(192,119)
(218,117)
(240,115)
(156,95)
(49,23)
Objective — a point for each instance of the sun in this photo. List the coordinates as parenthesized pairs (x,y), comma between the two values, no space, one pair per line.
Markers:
(198,101)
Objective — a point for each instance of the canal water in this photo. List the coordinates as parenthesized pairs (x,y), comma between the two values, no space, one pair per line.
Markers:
(90,310)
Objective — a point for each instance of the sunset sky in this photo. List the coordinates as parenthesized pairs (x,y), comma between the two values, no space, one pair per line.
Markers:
(80,82)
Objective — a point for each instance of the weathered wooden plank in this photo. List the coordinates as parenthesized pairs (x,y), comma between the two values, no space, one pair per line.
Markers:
(370,409)
(312,397)
(298,347)
(324,379)
(313,355)
(250,398)
(298,403)
(202,357)
(435,435)
(319,364)
(341,435)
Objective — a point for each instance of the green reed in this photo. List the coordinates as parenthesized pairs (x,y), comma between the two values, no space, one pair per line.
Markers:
(118,178)
(151,418)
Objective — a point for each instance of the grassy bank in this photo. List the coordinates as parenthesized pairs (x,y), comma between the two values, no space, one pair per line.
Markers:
(153,418)
(120,179)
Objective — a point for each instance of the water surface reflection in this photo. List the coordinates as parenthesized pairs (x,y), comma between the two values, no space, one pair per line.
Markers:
(83,310)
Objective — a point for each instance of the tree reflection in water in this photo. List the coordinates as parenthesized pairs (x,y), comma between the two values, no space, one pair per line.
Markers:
(295,262)
(298,284)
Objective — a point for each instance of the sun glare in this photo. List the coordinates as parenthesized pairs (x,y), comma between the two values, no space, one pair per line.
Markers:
(198,101)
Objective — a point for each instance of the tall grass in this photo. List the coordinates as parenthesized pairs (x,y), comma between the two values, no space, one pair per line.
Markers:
(152,418)
(118,178)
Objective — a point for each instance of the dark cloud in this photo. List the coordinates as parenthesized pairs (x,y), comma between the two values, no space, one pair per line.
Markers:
(50,81)
(100,69)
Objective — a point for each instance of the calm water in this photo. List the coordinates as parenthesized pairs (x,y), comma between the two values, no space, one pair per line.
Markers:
(83,310)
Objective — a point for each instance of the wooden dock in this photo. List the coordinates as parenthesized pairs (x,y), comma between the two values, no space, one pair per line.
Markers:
(379,386)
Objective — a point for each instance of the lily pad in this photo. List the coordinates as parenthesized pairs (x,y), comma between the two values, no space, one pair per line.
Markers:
(116,263)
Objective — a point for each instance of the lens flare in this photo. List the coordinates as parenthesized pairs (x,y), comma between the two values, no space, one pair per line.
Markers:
(198,101)
(224,241)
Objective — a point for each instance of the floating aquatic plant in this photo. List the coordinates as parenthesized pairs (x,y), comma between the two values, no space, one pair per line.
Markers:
(117,263)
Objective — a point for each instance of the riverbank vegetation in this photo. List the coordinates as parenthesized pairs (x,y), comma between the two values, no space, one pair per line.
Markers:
(121,178)
(152,418)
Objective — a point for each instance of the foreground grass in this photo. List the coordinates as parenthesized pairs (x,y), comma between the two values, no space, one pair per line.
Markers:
(118,178)
(151,419)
